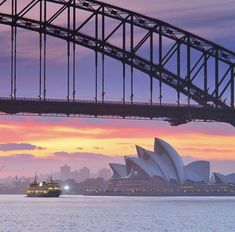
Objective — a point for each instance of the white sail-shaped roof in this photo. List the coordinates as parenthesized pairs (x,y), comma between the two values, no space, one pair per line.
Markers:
(145,166)
(166,171)
(201,168)
(220,178)
(165,163)
(157,171)
(190,175)
(170,155)
(229,179)
(119,170)
(158,163)
(140,151)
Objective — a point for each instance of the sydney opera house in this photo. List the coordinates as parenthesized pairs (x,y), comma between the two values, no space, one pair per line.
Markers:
(222,179)
(163,168)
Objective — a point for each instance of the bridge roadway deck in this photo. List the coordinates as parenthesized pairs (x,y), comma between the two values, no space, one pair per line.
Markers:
(175,114)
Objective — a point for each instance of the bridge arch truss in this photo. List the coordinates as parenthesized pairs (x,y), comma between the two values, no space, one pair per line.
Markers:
(196,68)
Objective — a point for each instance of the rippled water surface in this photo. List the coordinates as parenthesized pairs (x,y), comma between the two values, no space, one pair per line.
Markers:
(114,214)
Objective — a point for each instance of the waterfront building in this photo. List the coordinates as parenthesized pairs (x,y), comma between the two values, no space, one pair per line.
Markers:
(161,167)
(224,179)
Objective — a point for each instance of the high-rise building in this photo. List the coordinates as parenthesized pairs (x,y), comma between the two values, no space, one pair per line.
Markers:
(105,173)
(84,173)
(65,172)
(81,175)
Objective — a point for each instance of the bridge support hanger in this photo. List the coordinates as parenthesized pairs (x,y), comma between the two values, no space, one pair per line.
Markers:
(207,78)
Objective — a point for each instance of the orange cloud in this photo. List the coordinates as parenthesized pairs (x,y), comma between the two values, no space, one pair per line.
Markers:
(117,137)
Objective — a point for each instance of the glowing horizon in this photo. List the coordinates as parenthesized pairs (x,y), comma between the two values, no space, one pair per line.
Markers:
(116,137)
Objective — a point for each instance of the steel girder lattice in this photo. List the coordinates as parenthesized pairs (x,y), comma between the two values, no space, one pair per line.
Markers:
(196,68)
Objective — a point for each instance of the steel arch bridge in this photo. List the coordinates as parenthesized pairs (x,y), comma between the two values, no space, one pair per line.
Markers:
(199,71)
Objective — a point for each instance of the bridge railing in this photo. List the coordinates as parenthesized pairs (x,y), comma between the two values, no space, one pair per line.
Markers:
(99,102)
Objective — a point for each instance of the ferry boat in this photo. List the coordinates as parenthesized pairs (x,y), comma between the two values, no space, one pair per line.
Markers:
(43,189)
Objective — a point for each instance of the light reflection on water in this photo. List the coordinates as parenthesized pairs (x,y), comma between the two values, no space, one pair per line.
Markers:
(116,214)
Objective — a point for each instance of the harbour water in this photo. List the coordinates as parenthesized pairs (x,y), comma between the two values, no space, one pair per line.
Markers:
(116,214)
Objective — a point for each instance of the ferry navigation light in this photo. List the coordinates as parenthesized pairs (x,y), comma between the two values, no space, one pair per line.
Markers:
(66,187)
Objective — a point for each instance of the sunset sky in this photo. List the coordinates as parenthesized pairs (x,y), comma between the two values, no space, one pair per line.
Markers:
(26,143)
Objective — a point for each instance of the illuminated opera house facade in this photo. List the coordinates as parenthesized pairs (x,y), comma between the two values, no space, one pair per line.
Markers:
(160,168)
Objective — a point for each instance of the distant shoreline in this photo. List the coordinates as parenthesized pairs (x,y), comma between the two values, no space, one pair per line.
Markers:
(160,193)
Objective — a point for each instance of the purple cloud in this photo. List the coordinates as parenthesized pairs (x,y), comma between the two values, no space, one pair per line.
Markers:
(79,155)
(23,156)
(19,146)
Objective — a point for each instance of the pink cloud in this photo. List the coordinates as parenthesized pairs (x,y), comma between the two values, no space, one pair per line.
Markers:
(34,127)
